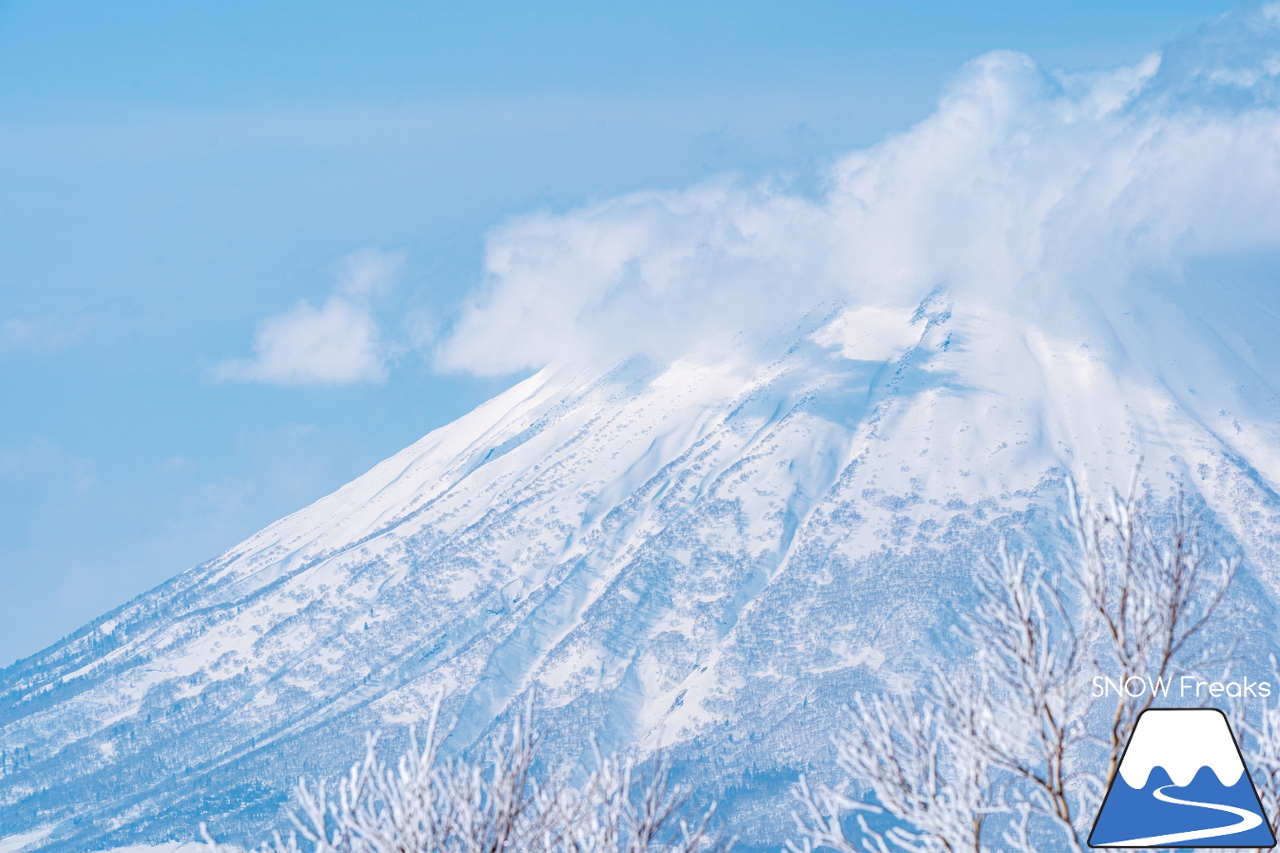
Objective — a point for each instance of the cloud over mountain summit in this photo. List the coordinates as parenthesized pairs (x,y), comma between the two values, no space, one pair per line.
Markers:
(1023,186)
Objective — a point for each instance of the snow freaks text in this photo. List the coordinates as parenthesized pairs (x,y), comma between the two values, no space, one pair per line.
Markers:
(1182,687)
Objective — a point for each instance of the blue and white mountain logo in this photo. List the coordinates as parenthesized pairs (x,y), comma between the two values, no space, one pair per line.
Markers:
(1182,783)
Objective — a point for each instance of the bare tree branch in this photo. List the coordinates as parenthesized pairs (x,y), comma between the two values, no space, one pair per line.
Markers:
(1002,754)
(428,804)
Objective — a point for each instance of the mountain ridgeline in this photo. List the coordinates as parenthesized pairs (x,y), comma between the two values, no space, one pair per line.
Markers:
(708,555)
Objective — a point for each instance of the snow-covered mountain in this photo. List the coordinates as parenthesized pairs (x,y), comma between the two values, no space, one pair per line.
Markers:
(710,554)
(711,546)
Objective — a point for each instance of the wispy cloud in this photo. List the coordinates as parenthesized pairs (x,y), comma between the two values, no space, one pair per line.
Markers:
(43,334)
(1023,186)
(335,343)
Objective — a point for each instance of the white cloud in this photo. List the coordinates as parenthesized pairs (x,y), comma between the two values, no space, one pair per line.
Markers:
(337,343)
(1022,187)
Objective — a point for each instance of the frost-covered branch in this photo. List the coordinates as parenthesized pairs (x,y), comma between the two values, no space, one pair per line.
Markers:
(1002,756)
(1151,596)
(428,804)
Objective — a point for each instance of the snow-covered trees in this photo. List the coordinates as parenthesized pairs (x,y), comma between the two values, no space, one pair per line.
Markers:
(1015,750)
(430,804)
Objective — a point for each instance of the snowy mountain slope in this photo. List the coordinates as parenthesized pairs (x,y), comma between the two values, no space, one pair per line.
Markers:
(709,555)
(710,546)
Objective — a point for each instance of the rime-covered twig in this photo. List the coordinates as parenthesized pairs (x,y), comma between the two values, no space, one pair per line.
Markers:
(997,753)
(428,804)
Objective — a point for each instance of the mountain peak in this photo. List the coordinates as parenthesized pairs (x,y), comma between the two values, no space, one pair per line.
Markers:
(711,555)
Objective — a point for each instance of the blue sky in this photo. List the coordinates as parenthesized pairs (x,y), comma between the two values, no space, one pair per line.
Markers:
(188,185)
